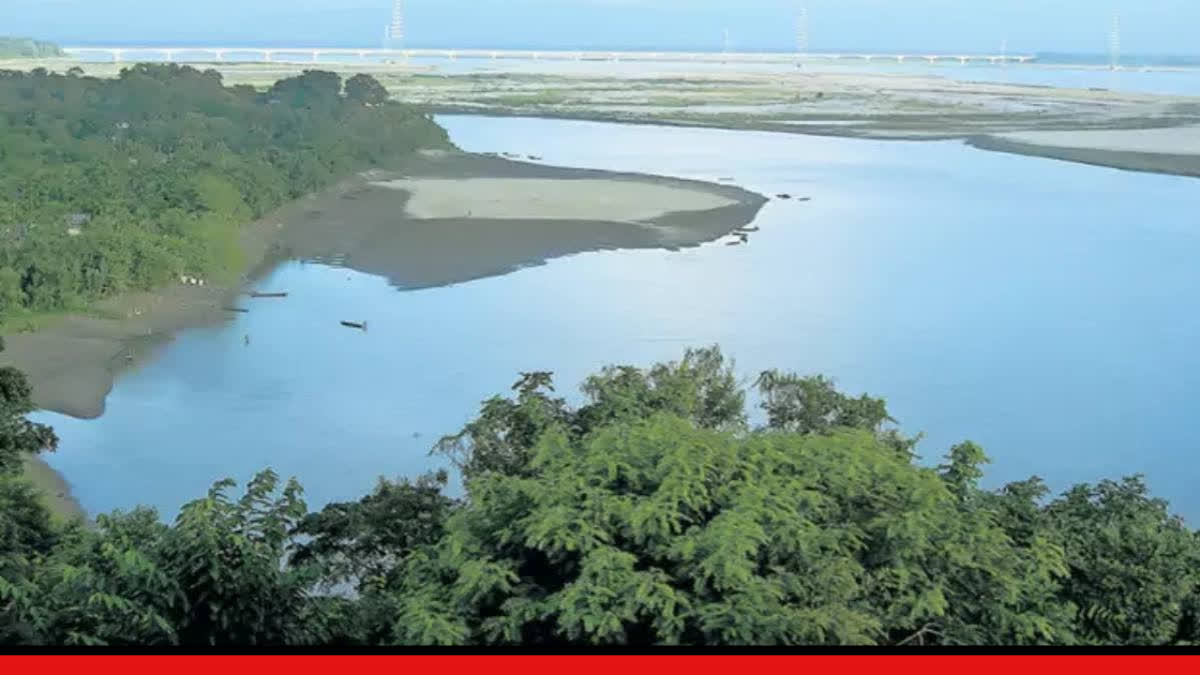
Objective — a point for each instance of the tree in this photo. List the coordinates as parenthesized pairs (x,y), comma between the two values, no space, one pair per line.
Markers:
(108,185)
(1134,569)
(361,541)
(365,89)
(659,531)
(19,436)
(651,513)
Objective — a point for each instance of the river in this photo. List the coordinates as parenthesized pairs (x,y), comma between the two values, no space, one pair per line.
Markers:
(1042,309)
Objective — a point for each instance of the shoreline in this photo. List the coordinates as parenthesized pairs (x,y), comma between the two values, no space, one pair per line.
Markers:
(74,361)
(1100,154)
(353,224)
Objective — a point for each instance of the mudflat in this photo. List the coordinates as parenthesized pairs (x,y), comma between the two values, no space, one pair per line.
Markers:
(1173,150)
(407,223)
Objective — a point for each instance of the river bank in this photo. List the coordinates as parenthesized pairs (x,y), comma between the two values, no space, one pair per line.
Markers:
(431,220)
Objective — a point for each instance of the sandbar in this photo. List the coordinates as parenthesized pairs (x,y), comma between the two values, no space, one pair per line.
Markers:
(549,199)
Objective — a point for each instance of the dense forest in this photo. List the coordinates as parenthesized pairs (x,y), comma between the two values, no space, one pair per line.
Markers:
(27,48)
(652,513)
(128,183)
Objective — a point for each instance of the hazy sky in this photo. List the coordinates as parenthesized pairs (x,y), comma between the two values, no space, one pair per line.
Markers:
(1148,26)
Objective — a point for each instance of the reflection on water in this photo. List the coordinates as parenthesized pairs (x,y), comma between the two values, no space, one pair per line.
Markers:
(1039,308)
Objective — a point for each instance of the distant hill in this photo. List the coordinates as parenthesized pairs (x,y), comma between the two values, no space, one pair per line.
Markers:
(22,48)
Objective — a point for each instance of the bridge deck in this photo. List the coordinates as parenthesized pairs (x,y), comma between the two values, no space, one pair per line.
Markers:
(314,54)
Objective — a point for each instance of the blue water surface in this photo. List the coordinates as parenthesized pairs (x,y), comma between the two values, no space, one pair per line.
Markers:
(1043,309)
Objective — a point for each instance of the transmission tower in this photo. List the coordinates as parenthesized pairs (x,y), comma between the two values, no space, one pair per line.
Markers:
(395,30)
(1114,42)
(802,28)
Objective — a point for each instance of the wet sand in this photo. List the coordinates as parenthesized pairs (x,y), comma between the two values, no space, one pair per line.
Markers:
(1174,150)
(368,226)
(519,215)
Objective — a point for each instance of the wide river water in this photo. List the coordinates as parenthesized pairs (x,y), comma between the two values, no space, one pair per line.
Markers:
(1043,309)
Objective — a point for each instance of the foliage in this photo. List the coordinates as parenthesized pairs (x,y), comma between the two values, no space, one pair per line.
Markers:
(651,513)
(19,436)
(366,90)
(26,48)
(108,185)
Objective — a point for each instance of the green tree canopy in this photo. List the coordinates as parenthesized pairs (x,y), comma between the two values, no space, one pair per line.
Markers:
(653,512)
(108,185)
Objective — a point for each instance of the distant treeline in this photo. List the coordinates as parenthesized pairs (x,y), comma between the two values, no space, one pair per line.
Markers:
(115,184)
(22,48)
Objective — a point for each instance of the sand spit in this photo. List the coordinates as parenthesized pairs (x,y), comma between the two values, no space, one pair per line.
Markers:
(1174,150)
(1164,141)
(520,215)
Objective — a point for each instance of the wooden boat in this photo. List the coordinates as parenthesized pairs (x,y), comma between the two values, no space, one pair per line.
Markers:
(256,294)
(746,229)
(236,309)
(355,324)
(804,199)
(783,195)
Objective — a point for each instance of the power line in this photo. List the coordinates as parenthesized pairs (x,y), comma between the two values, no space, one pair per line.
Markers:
(395,30)
(802,28)
(1114,41)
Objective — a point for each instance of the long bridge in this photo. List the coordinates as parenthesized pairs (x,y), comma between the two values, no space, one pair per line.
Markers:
(235,54)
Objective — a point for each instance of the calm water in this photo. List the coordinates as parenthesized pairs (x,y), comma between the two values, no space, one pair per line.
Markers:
(1045,310)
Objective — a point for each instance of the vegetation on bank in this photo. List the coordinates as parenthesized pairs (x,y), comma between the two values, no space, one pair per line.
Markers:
(652,513)
(27,48)
(109,185)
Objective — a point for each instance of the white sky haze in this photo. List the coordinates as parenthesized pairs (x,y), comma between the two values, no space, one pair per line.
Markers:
(1148,26)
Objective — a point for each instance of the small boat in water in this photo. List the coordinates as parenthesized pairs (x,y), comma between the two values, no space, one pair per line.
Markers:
(356,324)
(256,294)
(783,195)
